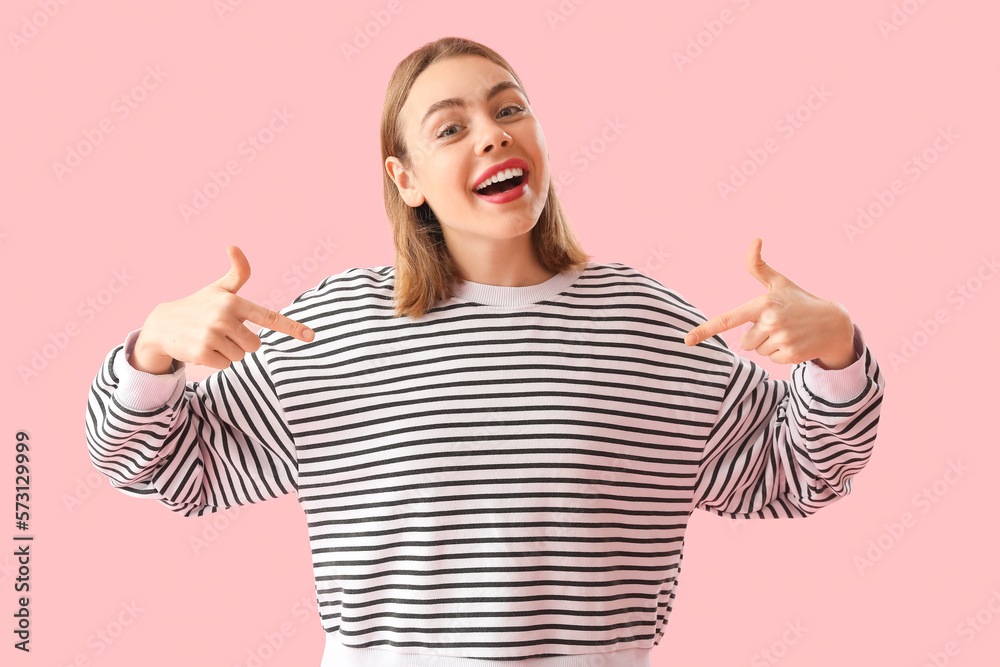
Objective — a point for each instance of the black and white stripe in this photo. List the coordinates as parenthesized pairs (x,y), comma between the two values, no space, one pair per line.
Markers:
(486,481)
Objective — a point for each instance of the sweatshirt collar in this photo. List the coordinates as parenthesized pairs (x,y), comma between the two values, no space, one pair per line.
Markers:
(512,297)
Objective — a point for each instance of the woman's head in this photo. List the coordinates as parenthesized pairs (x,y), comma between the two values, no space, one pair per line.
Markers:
(432,163)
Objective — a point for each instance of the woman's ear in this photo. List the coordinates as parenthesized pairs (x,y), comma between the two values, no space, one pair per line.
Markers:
(408,188)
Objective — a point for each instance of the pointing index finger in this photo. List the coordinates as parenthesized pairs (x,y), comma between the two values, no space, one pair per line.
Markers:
(748,312)
(269,319)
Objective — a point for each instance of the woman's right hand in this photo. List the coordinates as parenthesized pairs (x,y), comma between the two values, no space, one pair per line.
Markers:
(206,328)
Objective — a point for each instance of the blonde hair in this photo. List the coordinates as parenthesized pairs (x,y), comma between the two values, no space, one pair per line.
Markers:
(426,272)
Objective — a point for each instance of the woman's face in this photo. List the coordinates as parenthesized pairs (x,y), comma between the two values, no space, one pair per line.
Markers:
(453,145)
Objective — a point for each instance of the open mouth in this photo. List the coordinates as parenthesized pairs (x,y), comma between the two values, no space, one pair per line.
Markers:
(503,186)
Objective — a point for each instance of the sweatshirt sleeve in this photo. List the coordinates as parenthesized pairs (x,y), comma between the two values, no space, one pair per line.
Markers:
(196,447)
(786,448)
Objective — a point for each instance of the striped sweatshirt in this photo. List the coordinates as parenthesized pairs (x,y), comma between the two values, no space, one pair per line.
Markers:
(509,476)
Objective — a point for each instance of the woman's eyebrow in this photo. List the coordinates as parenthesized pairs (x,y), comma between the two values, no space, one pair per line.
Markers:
(459,102)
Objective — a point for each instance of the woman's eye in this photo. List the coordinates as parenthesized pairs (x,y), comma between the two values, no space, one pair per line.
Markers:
(442,134)
(444,131)
(512,106)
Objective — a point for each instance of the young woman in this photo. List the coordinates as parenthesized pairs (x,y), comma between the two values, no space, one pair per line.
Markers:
(497,442)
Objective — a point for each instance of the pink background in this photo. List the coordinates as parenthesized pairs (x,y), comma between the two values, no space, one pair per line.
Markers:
(648,198)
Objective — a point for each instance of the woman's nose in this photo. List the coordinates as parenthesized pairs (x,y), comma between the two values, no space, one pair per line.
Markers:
(492,136)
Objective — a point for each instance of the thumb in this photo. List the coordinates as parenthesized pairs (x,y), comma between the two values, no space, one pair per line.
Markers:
(758,268)
(239,271)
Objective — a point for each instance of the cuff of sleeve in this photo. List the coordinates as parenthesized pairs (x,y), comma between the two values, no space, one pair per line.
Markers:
(843,384)
(143,391)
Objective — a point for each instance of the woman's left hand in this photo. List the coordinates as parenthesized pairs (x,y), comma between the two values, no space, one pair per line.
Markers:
(790,324)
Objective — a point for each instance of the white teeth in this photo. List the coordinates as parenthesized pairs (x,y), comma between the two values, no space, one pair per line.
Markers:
(501,176)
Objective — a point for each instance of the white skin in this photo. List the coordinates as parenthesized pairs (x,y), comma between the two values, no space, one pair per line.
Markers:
(491,243)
